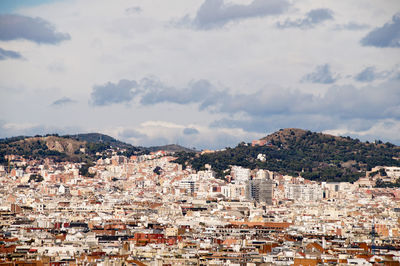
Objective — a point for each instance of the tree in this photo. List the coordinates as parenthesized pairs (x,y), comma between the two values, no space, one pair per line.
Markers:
(157,170)
(382,172)
(36,178)
(379,183)
(84,170)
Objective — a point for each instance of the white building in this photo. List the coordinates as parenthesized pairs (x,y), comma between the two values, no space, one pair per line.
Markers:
(234,191)
(240,174)
(189,185)
(303,192)
(393,171)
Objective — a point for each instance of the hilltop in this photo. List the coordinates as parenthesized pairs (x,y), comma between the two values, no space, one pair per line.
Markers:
(288,134)
(315,156)
(50,146)
(100,138)
(76,148)
(312,155)
(171,148)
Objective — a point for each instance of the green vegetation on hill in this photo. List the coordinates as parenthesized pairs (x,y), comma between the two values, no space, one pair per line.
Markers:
(65,148)
(34,148)
(76,148)
(97,138)
(170,148)
(314,156)
(382,184)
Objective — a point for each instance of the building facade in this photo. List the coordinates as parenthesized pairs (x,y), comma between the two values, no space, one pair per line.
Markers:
(259,190)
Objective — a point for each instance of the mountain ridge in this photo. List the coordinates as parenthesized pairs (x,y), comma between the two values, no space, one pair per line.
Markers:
(100,138)
(298,152)
(75,147)
(315,156)
(287,133)
(171,148)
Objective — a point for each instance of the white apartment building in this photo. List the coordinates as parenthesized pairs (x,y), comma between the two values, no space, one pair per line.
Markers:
(240,174)
(303,192)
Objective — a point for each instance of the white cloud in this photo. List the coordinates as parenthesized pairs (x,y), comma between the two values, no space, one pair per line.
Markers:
(386,130)
(18,127)
(153,133)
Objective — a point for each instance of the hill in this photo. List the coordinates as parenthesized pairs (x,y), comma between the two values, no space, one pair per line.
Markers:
(312,155)
(76,148)
(100,138)
(170,148)
(49,146)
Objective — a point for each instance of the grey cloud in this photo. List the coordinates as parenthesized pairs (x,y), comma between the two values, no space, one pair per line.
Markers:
(206,139)
(203,93)
(369,102)
(356,128)
(133,10)
(13,27)
(10,130)
(7,54)
(62,101)
(226,140)
(370,74)
(198,91)
(212,99)
(313,122)
(261,103)
(111,93)
(353,26)
(215,13)
(271,123)
(131,133)
(154,141)
(356,109)
(190,131)
(151,91)
(386,36)
(312,18)
(372,137)
(342,102)
(56,67)
(322,74)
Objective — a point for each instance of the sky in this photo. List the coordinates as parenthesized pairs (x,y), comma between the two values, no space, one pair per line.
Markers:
(201,73)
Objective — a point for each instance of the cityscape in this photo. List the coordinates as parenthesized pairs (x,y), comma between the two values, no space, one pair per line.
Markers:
(149,210)
(202,132)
